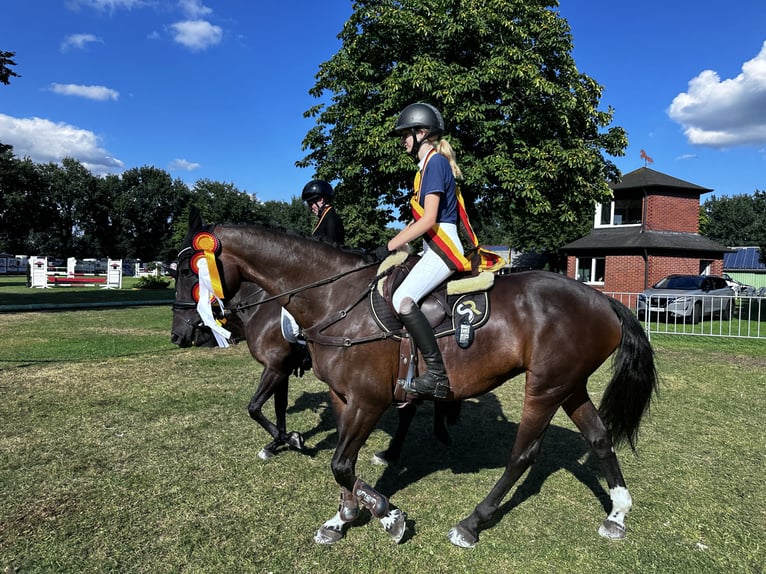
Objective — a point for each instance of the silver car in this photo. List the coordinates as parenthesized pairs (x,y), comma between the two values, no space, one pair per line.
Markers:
(687,297)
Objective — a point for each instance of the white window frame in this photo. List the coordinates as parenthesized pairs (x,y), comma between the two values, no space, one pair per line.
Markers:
(592,269)
(597,218)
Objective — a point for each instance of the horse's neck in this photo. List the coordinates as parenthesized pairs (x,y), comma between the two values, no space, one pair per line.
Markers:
(281,262)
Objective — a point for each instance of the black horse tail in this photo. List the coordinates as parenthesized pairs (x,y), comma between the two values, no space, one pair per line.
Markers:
(634,382)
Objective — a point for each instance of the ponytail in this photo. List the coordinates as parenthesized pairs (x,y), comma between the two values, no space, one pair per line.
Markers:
(444,148)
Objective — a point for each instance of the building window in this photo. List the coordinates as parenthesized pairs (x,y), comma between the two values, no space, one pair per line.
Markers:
(619,212)
(591,269)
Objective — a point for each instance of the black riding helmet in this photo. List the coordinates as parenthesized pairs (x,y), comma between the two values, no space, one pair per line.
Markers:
(315,189)
(419,116)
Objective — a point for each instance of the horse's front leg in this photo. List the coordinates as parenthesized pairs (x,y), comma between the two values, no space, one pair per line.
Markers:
(355,423)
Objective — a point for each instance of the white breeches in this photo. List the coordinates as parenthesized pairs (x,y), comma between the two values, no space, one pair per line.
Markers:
(427,273)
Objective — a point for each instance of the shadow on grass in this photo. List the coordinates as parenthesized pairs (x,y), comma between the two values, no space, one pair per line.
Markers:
(481,439)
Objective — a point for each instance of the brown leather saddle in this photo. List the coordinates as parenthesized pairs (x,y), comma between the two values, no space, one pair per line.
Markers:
(458,301)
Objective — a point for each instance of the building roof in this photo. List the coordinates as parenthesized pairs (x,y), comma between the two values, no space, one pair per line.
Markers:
(743,259)
(644,177)
(617,239)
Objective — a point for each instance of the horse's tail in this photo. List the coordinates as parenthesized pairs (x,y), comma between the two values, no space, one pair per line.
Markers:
(633,383)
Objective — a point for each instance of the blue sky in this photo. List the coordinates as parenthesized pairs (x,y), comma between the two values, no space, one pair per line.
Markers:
(217,90)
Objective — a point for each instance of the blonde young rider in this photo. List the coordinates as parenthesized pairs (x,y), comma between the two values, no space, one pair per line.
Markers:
(435,213)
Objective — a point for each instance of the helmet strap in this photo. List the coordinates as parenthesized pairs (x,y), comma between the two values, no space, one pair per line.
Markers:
(416,143)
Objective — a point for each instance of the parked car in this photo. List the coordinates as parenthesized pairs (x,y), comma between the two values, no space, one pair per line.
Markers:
(739,287)
(688,297)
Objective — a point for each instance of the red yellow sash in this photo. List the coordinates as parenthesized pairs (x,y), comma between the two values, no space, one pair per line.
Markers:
(439,241)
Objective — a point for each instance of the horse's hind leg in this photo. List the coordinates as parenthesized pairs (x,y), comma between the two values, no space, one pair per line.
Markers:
(272,383)
(585,415)
(535,418)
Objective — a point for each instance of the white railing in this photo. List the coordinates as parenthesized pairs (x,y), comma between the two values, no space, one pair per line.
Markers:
(700,315)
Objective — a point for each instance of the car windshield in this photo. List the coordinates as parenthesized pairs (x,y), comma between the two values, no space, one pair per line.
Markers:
(686,282)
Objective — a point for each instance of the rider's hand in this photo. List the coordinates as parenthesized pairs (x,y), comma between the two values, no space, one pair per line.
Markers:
(382,252)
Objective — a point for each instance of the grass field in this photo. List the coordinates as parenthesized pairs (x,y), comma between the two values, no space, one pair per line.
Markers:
(15,293)
(122,453)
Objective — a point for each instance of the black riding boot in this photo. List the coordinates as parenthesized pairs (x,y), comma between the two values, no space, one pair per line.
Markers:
(434,381)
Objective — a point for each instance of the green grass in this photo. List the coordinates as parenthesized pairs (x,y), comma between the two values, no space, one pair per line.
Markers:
(14,292)
(121,453)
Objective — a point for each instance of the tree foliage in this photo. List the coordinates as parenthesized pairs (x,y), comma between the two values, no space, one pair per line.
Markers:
(6,61)
(736,221)
(63,210)
(523,120)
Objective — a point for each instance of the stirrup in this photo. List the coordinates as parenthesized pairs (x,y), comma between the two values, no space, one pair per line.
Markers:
(427,384)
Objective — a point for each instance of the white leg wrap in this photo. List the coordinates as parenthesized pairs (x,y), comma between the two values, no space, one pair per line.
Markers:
(621,504)
(335,523)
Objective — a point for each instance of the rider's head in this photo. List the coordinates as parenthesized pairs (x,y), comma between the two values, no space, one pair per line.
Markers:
(317,193)
(419,119)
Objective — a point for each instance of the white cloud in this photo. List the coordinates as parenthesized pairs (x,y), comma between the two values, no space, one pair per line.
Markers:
(78,41)
(45,141)
(106,5)
(194,8)
(182,164)
(100,93)
(725,113)
(196,34)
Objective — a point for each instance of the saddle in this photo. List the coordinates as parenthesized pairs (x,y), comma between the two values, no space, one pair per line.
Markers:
(457,302)
(457,307)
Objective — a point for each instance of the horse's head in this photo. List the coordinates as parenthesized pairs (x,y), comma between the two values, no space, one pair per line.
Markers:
(188,328)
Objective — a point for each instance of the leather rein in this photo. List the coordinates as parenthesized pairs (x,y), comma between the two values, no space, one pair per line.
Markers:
(315,333)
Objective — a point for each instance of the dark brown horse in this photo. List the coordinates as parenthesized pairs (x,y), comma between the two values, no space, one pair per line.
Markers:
(253,318)
(555,330)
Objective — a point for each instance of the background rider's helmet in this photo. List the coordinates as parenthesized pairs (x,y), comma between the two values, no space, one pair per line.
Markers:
(420,115)
(315,189)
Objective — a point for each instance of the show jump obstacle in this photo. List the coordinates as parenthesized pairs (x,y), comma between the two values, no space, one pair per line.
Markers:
(43,277)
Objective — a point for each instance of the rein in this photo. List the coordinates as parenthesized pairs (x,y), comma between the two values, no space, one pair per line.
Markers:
(319,283)
(314,334)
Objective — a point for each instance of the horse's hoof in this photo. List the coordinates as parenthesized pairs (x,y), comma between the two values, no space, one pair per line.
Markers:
(461,538)
(379,458)
(395,524)
(295,440)
(612,530)
(266,453)
(327,535)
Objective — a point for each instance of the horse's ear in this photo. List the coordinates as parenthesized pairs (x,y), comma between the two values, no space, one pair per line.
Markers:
(195,219)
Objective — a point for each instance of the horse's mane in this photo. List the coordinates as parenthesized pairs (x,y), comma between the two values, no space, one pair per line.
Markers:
(366,256)
(196,224)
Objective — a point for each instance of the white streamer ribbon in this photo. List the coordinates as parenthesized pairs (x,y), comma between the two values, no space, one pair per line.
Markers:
(204,308)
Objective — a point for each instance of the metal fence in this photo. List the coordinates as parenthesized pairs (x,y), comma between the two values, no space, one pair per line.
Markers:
(712,316)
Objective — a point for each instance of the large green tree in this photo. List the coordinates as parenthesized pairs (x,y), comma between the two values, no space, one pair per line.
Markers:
(149,202)
(525,123)
(224,202)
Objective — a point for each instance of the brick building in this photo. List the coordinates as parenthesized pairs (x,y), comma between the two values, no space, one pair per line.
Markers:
(649,230)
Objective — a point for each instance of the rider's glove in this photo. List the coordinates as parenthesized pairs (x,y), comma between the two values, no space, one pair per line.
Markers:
(382,252)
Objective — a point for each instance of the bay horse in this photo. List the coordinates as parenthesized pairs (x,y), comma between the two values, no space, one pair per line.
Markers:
(252,318)
(555,330)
